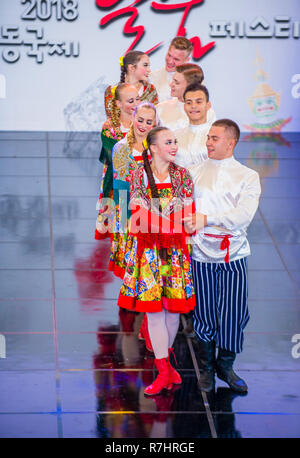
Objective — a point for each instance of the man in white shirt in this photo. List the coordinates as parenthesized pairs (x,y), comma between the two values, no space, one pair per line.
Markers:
(192,139)
(171,112)
(226,196)
(178,53)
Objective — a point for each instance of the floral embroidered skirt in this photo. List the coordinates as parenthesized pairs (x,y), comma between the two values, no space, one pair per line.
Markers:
(151,284)
(121,242)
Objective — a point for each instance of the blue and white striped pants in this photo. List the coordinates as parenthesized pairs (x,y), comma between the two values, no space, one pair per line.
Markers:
(221,311)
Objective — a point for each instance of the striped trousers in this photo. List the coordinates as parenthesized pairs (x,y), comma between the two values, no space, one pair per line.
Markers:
(221,311)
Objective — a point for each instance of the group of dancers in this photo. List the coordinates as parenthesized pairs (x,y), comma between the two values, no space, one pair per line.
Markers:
(176,205)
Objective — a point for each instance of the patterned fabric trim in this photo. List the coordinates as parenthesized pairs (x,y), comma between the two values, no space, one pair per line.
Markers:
(172,305)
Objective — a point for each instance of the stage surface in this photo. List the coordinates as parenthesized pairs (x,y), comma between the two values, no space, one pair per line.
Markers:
(71,366)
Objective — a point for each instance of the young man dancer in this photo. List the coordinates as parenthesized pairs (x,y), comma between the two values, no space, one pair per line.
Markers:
(171,112)
(192,139)
(178,53)
(227,196)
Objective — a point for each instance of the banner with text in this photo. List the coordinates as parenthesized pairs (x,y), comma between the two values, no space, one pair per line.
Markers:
(58,56)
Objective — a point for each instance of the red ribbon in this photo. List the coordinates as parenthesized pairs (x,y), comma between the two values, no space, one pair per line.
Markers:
(224,244)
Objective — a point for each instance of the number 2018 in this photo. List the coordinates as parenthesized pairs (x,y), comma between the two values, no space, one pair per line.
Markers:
(43,9)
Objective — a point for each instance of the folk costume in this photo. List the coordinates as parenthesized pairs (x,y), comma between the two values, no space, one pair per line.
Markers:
(228,193)
(172,115)
(158,278)
(147,93)
(110,135)
(192,144)
(152,283)
(161,80)
(125,161)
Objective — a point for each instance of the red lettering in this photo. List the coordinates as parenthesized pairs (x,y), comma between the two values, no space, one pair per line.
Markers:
(128,29)
(198,50)
(106,3)
(139,30)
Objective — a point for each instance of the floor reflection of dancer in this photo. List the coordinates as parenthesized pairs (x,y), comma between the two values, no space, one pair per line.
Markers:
(158,277)
(117,390)
(135,70)
(127,155)
(178,53)
(171,112)
(125,98)
(227,195)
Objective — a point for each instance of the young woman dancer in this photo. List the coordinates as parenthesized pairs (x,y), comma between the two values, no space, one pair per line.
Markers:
(135,70)
(158,278)
(127,155)
(124,100)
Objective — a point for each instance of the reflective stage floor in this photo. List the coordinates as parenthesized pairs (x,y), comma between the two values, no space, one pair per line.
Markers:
(72,367)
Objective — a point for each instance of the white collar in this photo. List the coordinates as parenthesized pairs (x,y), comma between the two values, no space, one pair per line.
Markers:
(181,106)
(199,127)
(222,162)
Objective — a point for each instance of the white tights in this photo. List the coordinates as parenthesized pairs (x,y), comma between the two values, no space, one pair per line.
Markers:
(162,327)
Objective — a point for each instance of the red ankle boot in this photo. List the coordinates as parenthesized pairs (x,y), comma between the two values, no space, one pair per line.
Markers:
(144,334)
(174,377)
(162,380)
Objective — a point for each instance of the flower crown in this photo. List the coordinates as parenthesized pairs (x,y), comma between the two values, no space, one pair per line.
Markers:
(121,61)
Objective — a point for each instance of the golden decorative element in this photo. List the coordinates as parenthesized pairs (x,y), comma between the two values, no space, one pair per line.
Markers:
(113,91)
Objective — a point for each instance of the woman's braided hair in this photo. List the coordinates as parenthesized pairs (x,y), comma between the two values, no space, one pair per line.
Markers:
(115,111)
(132,57)
(151,139)
(130,137)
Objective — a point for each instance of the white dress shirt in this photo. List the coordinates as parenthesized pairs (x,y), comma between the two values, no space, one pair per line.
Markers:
(228,193)
(172,115)
(192,144)
(161,79)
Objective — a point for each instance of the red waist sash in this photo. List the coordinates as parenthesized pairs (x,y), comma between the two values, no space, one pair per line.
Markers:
(224,244)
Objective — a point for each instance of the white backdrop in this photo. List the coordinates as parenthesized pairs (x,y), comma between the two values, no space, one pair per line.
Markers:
(44,88)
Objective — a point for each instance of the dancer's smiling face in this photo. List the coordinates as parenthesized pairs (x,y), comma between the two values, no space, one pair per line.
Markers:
(175,57)
(143,121)
(178,85)
(165,146)
(220,143)
(129,100)
(196,106)
(142,69)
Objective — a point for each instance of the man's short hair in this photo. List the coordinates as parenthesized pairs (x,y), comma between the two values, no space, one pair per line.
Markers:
(197,87)
(183,44)
(230,126)
(192,73)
